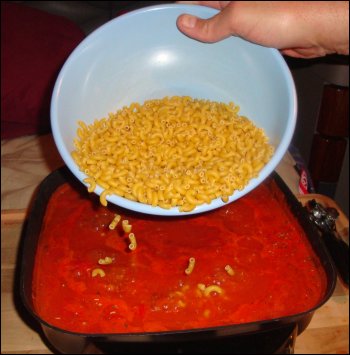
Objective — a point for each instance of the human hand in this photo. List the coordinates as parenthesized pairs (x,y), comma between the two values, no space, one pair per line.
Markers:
(304,29)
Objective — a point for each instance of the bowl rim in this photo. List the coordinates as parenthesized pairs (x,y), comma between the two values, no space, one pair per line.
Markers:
(281,149)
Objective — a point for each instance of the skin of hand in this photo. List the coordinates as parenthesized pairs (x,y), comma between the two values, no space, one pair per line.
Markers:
(301,29)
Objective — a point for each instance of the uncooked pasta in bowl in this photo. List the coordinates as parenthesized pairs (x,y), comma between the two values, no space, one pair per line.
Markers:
(174,152)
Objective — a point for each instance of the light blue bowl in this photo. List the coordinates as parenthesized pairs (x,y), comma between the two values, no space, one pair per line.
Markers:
(142,55)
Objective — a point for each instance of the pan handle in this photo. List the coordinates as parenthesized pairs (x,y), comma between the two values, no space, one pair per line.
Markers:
(339,252)
(324,218)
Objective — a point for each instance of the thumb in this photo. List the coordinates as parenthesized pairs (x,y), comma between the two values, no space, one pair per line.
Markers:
(209,30)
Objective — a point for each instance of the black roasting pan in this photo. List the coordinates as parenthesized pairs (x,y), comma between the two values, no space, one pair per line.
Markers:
(248,334)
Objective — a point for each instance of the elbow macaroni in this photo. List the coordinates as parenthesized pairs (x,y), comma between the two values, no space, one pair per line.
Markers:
(133,243)
(191,263)
(114,222)
(229,270)
(212,288)
(126,226)
(99,272)
(175,151)
(207,290)
(107,260)
(91,184)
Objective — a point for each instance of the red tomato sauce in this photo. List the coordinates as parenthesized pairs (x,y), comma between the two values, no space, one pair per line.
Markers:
(275,271)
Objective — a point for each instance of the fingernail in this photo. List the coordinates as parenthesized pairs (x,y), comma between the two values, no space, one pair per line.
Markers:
(189,21)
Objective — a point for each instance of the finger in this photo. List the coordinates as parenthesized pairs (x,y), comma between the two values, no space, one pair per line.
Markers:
(305,53)
(209,30)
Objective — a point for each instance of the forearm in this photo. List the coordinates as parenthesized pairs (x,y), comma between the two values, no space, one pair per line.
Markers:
(321,25)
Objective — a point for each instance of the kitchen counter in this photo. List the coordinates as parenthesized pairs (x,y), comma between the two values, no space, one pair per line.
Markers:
(25,163)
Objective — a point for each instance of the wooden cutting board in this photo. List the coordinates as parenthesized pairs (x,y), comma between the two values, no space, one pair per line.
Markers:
(328,332)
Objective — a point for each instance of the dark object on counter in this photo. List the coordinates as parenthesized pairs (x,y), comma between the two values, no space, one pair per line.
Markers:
(325,218)
(330,139)
(267,336)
